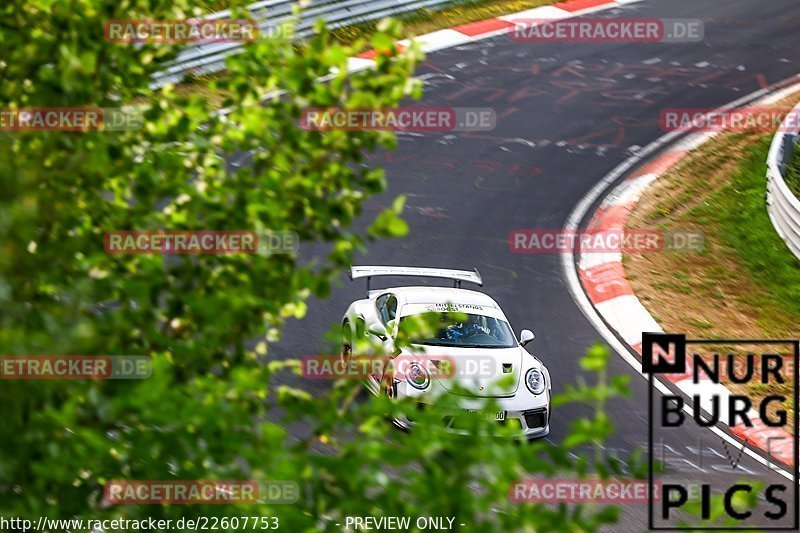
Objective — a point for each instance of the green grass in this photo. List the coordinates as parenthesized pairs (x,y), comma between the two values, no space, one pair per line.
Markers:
(793,172)
(738,212)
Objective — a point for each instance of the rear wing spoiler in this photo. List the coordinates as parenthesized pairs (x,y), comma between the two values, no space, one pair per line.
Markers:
(369,272)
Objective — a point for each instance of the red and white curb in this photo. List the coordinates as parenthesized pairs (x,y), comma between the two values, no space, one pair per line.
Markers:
(482,29)
(603,279)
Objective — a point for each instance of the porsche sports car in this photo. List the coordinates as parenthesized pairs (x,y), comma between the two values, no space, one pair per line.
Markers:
(468,330)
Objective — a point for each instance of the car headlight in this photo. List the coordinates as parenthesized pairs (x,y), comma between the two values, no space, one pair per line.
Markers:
(534,380)
(417,376)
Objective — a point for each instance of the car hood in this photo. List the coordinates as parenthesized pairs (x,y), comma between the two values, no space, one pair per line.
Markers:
(481,372)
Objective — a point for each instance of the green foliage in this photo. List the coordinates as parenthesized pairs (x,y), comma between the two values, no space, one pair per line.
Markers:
(62,294)
(213,408)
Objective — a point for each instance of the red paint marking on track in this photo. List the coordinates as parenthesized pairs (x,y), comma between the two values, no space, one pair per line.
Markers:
(372,54)
(579,5)
(609,218)
(675,378)
(605,282)
(369,54)
(482,26)
(777,441)
(659,165)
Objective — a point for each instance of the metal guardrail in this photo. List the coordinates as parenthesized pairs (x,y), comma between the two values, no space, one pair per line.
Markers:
(207,58)
(782,205)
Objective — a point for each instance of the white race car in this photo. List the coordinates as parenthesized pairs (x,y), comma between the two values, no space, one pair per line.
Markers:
(468,329)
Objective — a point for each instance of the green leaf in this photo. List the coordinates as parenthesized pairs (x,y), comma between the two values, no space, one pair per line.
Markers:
(382,42)
(388,224)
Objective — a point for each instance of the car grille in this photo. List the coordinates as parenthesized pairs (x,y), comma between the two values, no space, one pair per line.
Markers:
(536,418)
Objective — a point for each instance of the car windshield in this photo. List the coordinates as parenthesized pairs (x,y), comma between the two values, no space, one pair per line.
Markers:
(457,329)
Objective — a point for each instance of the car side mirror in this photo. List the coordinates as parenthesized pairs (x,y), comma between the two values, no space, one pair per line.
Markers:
(525,336)
(378,330)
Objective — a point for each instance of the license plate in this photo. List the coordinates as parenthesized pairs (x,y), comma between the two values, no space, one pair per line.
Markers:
(489,415)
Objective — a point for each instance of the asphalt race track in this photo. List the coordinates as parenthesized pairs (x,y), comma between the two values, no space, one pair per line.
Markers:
(567,115)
